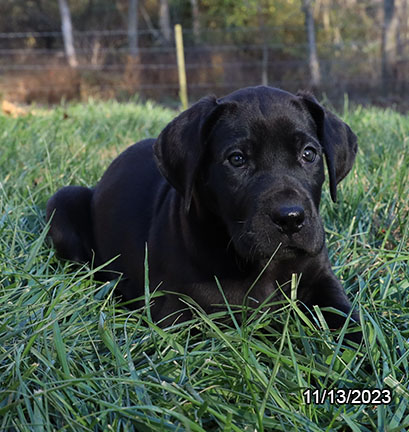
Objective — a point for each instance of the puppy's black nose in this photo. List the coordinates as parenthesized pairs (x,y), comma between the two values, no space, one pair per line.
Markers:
(289,219)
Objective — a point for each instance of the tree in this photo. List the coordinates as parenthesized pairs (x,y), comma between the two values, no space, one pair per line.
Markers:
(262,30)
(133,28)
(195,20)
(389,43)
(164,20)
(66,27)
(313,64)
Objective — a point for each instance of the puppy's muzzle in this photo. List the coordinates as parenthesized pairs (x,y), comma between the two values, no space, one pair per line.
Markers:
(288,219)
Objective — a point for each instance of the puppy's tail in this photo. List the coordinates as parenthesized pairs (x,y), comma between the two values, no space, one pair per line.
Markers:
(71,225)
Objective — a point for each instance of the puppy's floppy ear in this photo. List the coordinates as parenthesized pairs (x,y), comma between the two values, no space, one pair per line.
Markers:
(180,146)
(337,139)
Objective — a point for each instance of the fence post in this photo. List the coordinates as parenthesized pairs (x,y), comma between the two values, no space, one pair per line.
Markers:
(181,65)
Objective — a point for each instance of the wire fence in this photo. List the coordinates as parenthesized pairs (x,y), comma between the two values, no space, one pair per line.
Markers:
(33,66)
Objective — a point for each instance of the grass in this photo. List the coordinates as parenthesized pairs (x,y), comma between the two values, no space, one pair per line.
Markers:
(72,359)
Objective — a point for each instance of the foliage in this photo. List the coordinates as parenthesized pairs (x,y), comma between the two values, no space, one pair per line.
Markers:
(72,359)
(337,21)
(235,43)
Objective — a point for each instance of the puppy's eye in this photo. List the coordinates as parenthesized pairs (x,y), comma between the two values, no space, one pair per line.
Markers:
(309,154)
(237,159)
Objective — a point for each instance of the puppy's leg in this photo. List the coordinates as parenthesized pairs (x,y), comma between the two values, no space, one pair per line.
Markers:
(71,227)
(165,309)
(328,292)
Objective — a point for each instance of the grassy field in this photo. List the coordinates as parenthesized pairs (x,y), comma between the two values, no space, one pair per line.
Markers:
(72,359)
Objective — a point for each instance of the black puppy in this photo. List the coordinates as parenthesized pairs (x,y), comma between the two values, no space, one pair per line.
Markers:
(227,184)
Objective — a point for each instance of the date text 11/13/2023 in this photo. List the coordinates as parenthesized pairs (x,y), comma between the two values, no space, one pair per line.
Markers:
(348,396)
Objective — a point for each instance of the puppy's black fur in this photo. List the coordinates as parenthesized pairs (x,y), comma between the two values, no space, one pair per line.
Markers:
(226,184)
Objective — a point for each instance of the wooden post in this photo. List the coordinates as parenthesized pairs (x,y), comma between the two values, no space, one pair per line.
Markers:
(181,65)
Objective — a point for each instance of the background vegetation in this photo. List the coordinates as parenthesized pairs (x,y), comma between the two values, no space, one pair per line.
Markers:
(124,47)
(72,359)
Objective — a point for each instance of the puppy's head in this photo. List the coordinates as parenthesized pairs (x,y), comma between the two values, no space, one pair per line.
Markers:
(255,158)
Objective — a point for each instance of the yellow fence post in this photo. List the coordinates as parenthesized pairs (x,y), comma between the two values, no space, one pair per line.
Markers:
(181,65)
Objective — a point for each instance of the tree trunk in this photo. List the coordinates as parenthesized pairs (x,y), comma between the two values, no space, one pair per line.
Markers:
(326,17)
(66,27)
(263,36)
(133,28)
(195,20)
(313,64)
(401,28)
(389,45)
(164,20)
